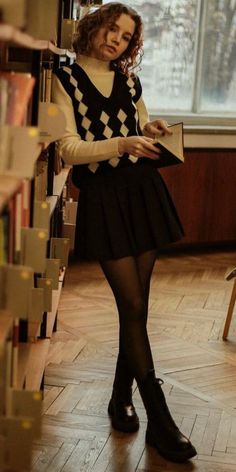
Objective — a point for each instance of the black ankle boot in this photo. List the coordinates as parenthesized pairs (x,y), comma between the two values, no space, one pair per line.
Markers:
(121,409)
(162,432)
(122,412)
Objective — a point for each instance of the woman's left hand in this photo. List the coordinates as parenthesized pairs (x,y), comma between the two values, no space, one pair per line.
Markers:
(156,128)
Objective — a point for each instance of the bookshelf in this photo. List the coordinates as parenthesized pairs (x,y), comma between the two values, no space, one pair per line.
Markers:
(8,188)
(32,195)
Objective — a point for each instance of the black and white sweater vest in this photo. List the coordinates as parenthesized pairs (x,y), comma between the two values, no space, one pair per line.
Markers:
(98,117)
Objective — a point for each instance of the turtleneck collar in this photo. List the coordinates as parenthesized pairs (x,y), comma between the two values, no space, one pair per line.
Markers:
(93,64)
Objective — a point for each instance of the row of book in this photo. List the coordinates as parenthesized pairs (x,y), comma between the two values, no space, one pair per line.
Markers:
(32,253)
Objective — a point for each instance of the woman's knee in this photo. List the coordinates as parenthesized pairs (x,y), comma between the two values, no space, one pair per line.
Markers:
(134,309)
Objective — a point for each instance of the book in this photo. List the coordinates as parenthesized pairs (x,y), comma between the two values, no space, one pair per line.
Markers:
(4,237)
(13,12)
(19,150)
(34,248)
(28,403)
(59,249)
(46,285)
(36,305)
(19,91)
(70,212)
(41,215)
(16,442)
(53,271)
(172,147)
(42,19)
(19,282)
(68,231)
(51,122)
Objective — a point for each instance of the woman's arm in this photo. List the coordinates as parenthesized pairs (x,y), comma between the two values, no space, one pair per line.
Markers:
(150,128)
(72,148)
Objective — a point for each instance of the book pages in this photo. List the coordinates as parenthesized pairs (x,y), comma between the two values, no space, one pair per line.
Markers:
(171,146)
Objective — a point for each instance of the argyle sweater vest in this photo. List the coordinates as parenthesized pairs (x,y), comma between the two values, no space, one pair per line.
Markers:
(98,117)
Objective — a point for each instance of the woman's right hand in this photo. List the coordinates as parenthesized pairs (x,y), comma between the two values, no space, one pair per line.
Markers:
(138,146)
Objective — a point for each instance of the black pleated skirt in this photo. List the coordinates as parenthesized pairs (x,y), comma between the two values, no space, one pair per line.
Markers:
(124,212)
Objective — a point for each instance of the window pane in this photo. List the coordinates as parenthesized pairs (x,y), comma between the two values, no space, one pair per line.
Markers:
(168,64)
(219,59)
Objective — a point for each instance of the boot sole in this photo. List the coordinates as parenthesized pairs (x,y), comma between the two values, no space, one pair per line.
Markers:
(172,456)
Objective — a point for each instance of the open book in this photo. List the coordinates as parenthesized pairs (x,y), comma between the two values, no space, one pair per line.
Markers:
(171,146)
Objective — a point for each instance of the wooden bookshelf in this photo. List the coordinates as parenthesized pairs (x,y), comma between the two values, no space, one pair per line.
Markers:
(23,360)
(5,327)
(36,364)
(32,355)
(27,360)
(9,33)
(51,315)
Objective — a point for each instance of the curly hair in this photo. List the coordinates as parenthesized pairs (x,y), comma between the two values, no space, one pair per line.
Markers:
(106,15)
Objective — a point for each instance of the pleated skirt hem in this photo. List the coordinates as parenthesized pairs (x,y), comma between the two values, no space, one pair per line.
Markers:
(123,213)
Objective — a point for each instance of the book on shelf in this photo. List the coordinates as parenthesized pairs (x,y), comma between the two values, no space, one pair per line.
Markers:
(15,350)
(59,249)
(70,212)
(53,271)
(51,122)
(40,179)
(16,435)
(19,281)
(26,198)
(17,223)
(42,19)
(13,12)
(19,207)
(11,233)
(26,403)
(41,215)
(34,248)
(4,237)
(5,372)
(15,92)
(68,30)
(46,285)
(36,305)
(68,231)
(171,146)
(46,83)
(19,150)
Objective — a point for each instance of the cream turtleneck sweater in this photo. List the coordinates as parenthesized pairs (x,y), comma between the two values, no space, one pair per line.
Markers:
(71,147)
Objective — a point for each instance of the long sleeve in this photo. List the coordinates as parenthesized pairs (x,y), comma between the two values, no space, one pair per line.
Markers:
(142,113)
(72,148)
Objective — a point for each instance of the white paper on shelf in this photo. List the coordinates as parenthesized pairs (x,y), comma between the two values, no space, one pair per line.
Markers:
(19,150)
(51,122)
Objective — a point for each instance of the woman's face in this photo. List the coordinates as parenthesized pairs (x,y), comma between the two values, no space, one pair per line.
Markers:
(110,43)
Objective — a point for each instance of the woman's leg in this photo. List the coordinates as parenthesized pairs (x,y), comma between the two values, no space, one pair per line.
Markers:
(125,281)
(121,408)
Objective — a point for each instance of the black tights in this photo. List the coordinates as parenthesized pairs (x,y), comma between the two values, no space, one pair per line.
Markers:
(129,279)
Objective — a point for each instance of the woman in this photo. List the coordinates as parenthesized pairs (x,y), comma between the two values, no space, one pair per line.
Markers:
(125,213)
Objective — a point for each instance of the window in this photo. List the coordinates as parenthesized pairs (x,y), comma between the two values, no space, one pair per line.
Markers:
(189,62)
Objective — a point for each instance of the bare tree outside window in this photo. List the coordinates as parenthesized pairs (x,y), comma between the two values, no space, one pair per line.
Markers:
(189,62)
(218,90)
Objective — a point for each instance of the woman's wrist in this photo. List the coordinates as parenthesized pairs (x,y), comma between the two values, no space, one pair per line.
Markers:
(121,144)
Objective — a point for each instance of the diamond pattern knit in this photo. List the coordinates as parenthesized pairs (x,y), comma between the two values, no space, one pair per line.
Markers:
(98,117)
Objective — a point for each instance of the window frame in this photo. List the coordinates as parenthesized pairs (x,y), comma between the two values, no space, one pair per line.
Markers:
(195,121)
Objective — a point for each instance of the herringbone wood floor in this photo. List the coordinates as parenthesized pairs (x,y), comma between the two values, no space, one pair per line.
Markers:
(188,304)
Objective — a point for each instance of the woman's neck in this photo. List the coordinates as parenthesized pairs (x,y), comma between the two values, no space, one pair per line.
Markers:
(91,63)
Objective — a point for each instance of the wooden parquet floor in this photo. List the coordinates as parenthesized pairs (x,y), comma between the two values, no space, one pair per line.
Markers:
(188,305)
